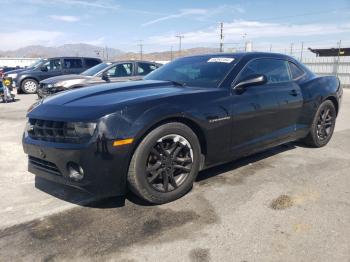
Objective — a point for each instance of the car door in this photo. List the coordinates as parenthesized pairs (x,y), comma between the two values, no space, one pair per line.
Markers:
(143,69)
(51,68)
(267,113)
(72,66)
(120,72)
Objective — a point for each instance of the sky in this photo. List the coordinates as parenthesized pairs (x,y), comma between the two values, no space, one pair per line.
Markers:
(125,24)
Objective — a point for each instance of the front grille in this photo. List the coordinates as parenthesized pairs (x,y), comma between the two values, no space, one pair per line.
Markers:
(53,131)
(44,165)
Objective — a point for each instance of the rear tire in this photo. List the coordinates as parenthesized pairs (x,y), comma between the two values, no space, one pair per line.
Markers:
(165,164)
(29,86)
(322,127)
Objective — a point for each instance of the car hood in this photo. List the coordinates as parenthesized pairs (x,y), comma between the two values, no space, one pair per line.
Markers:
(96,101)
(56,79)
(16,71)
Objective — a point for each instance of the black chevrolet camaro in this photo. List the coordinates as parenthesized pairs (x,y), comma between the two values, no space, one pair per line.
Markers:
(154,136)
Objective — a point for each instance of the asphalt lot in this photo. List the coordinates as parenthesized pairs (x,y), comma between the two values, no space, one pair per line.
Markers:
(291,203)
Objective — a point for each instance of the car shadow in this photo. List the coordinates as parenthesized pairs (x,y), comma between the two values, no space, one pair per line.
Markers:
(86,199)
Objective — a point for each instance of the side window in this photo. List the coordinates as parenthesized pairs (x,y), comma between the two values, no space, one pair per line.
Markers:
(145,68)
(72,63)
(120,70)
(91,62)
(275,70)
(295,71)
(53,65)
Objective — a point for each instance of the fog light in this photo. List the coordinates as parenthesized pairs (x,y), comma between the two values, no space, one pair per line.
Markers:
(75,172)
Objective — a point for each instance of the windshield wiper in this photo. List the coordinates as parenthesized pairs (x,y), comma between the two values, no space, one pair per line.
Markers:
(177,83)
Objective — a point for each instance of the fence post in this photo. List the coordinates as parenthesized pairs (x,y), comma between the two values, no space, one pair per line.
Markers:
(301,52)
(337,68)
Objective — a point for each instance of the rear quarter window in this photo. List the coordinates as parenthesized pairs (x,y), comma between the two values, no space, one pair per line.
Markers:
(72,63)
(295,71)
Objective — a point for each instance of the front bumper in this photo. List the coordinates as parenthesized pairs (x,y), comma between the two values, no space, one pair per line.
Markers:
(105,167)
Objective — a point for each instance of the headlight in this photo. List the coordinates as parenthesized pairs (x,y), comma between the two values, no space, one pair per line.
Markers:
(36,104)
(14,75)
(81,129)
(29,127)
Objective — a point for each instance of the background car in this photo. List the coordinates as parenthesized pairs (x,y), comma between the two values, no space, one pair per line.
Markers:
(27,80)
(153,136)
(108,72)
(6,69)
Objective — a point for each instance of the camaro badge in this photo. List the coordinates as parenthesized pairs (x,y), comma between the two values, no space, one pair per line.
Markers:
(219,119)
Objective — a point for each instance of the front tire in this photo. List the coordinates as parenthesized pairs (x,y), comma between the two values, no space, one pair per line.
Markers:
(29,86)
(323,125)
(165,164)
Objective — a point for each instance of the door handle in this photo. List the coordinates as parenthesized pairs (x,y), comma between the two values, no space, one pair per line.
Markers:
(293,92)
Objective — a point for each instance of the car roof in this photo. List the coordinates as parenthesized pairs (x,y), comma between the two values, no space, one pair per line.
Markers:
(131,61)
(59,57)
(239,55)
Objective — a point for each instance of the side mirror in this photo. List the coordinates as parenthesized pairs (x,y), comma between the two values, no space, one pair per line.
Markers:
(252,80)
(105,76)
(44,68)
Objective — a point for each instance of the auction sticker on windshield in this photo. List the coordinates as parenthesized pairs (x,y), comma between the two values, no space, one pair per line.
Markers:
(221,60)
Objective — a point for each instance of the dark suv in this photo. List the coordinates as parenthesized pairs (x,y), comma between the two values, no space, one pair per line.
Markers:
(27,80)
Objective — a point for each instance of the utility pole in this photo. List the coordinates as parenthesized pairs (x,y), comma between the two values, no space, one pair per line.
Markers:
(141,49)
(180,39)
(291,49)
(301,52)
(221,37)
(106,53)
(171,53)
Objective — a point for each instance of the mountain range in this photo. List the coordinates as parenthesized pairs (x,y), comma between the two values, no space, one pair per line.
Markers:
(64,50)
(104,53)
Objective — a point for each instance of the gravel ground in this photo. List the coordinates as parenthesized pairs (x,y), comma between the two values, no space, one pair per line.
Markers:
(290,203)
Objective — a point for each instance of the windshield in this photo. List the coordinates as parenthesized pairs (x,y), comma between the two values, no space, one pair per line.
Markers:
(38,63)
(201,71)
(95,69)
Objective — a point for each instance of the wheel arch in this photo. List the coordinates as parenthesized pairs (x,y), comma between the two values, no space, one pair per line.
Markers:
(334,101)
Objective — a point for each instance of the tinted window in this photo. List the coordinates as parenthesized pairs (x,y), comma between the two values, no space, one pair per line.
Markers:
(72,63)
(91,62)
(145,68)
(120,70)
(200,71)
(53,65)
(295,71)
(275,70)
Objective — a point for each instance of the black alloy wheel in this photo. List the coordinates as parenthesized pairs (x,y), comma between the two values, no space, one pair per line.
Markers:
(165,163)
(169,163)
(323,125)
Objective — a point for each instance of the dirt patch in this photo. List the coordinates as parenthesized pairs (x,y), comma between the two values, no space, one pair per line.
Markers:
(282,202)
(200,255)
